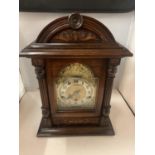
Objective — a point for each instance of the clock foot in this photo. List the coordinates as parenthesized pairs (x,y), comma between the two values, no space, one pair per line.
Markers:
(105,128)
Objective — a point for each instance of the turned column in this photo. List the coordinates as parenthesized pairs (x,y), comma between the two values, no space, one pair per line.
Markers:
(41,76)
(111,71)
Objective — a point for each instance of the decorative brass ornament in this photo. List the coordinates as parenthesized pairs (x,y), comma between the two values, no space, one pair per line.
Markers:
(77,70)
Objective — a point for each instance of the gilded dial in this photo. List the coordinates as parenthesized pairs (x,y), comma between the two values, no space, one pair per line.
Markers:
(76,93)
(76,87)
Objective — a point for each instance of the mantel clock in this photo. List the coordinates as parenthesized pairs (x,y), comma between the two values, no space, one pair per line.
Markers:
(75,61)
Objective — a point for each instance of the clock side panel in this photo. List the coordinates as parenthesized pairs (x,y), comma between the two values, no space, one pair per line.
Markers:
(75,116)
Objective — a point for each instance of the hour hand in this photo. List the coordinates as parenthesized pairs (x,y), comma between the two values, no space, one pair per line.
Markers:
(73,94)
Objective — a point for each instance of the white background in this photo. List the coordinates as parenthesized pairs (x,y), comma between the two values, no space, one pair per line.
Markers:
(145,76)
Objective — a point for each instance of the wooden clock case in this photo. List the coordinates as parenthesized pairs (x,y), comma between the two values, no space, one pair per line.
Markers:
(75,39)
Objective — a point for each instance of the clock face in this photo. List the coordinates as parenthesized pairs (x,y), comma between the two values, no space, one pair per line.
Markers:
(75,92)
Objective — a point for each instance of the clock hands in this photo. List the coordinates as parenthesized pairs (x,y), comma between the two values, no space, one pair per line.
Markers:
(75,93)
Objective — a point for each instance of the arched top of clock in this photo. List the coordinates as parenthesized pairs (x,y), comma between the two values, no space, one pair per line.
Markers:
(75,36)
(75,29)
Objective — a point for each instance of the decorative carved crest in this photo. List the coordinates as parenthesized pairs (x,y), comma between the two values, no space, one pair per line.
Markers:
(75,36)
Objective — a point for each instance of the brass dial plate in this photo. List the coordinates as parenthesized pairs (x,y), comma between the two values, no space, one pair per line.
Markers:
(76,93)
(76,88)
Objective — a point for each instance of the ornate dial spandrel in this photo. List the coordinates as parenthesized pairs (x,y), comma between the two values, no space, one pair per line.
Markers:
(77,70)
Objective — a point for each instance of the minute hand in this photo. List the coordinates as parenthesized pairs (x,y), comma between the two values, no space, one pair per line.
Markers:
(74,93)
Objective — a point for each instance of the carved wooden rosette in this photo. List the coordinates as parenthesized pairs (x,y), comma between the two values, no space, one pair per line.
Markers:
(41,76)
(111,71)
(75,20)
